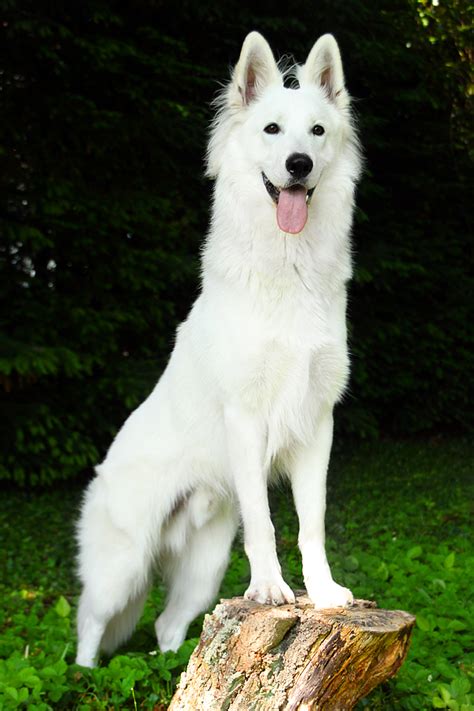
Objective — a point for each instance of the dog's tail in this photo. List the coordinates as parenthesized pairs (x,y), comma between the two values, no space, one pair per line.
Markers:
(120,628)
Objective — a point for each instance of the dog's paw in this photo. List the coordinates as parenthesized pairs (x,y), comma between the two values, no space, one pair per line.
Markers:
(85,661)
(330,594)
(270,592)
(170,636)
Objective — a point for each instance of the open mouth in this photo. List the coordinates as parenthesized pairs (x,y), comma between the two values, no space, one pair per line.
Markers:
(274,192)
(292,205)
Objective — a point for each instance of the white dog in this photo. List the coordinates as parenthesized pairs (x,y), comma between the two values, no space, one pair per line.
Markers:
(256,370)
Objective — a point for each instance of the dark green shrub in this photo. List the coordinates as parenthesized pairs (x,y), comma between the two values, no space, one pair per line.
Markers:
(103,208)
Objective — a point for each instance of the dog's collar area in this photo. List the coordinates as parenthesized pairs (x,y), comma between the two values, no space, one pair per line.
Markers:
(274,192)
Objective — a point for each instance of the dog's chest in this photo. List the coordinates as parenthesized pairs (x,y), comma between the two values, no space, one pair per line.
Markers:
(283,356)
(289,384)
(300,360)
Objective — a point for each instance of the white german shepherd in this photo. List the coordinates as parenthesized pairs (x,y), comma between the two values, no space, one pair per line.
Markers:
(256,370)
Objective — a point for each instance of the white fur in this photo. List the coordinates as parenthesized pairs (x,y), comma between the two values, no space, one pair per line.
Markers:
(250,387)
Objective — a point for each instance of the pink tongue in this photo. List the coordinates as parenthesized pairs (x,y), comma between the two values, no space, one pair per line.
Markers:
(292,210)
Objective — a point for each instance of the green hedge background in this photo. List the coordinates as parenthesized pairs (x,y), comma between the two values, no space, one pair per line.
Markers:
(103,208)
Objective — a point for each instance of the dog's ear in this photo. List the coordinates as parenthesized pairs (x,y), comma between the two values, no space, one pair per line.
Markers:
(324,68)
(255,70)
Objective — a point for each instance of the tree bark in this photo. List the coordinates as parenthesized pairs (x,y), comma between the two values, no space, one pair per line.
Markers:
(254,657)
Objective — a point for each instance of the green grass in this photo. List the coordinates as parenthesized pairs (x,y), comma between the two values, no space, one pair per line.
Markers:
(398,532)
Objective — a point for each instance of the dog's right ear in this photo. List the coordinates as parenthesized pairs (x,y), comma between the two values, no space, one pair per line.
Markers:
(255,70)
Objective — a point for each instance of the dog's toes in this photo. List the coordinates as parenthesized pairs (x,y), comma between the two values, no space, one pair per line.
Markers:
(330,595)
(270,593)
(286,593)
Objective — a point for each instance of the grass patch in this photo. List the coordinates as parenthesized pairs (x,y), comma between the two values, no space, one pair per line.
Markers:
(398,527)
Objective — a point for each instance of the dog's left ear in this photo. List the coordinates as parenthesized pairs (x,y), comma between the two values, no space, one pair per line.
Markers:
(255,70)
(324,68)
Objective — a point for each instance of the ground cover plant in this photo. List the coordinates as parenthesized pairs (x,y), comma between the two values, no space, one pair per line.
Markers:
(398,532)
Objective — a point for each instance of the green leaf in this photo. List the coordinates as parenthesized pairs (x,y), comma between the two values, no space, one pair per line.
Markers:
(449,560)
(444,693)
(12,692)
(60,667)
(414,552)
(23,694)
(423,623)
(351,563)
(457,625)
(62,607)
(382,571)
(460,686)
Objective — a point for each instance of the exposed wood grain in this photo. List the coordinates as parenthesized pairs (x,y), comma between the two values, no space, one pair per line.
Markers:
(254,657)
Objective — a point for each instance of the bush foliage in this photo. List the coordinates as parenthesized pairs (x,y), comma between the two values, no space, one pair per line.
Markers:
(104,207)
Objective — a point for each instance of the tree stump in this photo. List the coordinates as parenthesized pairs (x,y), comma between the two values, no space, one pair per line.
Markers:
(253,657)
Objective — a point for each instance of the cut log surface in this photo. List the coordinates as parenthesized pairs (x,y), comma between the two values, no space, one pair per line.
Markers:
(253,657)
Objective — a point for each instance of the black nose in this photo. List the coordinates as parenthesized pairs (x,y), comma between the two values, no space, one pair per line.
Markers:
(299,165)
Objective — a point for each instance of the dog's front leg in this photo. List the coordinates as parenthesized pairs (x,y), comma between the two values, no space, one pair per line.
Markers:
(308,479)
(246,447)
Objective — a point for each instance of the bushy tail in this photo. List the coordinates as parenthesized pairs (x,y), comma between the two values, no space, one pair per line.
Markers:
(120,628)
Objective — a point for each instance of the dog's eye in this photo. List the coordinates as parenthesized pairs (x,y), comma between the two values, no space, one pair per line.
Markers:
(272,128)
(318,130)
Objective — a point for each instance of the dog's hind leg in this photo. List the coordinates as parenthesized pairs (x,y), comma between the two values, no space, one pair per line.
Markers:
(121,626)
(194,575)
(90,628)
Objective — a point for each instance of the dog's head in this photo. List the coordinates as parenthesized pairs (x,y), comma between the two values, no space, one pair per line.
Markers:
(282,139)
